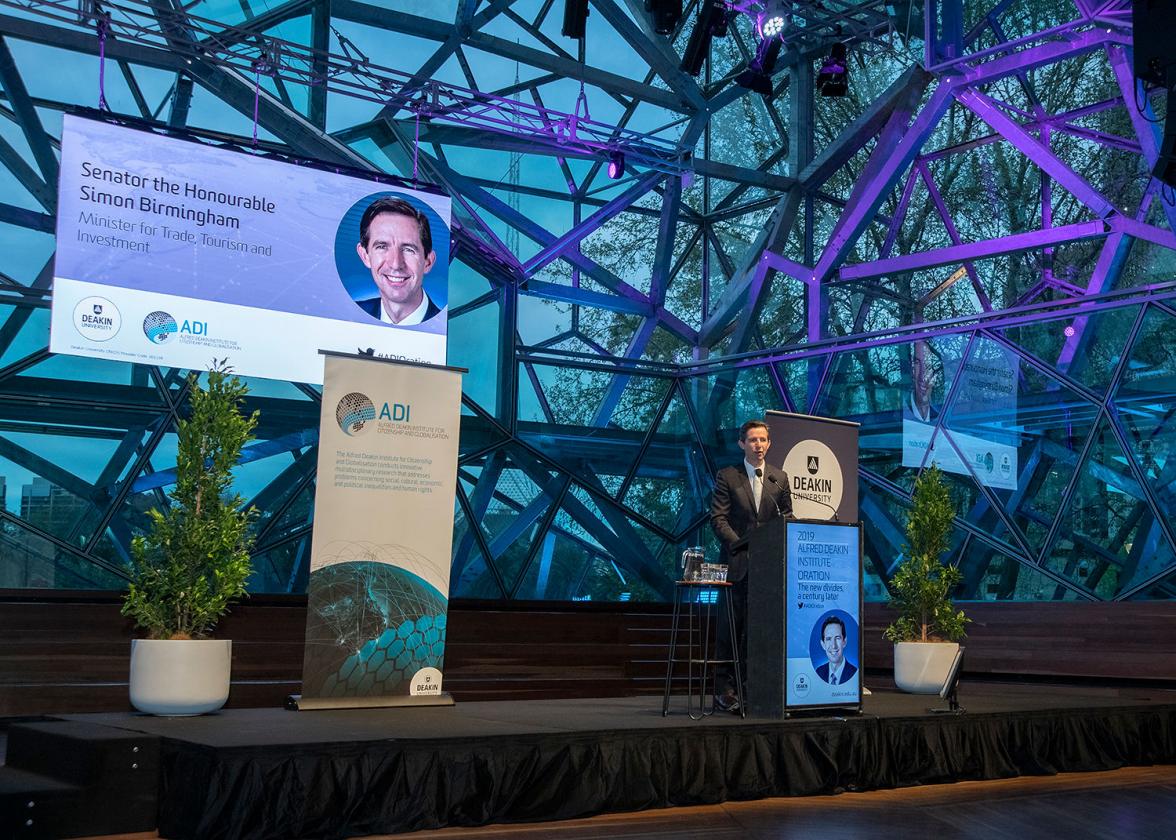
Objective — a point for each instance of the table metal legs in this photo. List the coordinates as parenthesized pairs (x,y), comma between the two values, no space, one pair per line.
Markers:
(700,605)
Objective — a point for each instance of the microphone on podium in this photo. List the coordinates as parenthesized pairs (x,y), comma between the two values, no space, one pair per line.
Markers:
(772,479)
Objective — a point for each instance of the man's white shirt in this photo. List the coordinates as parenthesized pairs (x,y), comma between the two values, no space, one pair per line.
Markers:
(415,317)
(757,481)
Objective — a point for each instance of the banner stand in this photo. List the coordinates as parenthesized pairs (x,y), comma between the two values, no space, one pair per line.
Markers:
(820,455)
(378,595)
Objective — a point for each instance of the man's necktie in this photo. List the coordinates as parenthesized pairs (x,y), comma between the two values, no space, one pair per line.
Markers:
(757,487)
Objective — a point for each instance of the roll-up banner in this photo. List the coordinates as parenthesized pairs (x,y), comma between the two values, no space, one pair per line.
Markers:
(383,534)
(820,455)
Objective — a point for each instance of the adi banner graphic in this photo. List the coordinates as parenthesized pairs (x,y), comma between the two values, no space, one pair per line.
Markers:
(383,533)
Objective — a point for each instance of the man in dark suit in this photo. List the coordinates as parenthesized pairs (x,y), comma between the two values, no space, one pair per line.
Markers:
(838,670)
(372,307)
(745,497)
(396,245)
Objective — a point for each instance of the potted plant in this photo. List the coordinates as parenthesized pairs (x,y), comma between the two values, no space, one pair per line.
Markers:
(194,559)
(928,628)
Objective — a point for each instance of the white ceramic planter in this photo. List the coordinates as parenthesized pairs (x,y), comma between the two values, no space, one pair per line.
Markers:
(922,667)
(180,677)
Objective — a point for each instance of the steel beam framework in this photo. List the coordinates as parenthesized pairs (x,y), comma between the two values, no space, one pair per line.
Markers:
(982,194)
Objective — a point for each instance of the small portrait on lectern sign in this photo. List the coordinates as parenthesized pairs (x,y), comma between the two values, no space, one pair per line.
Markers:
(833,648)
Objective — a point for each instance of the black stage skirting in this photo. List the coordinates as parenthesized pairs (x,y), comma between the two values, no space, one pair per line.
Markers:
(259,773)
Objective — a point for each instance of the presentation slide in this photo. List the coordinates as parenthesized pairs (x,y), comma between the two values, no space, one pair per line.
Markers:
(172,252)
(985,403)
(823,601)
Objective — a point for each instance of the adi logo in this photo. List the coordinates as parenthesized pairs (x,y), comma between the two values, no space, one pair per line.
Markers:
(354,412)
(159,327)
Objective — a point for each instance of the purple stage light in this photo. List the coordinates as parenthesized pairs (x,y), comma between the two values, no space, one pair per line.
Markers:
(616,165)
(833,77)
(1069,331)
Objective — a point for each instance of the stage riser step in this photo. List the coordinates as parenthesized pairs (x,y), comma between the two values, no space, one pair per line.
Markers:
(72,779)
(42,814)
(29,801)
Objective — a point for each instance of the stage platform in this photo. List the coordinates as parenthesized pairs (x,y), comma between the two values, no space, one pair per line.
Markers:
(259,773)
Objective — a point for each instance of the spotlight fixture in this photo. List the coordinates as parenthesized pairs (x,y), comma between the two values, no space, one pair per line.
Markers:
(710,23)
(1152,59)
(758,75)
(722,18)
(833,77)
(575,18)
(665,14)
(616,165)
(773,26)
(773,19)
(1165,168)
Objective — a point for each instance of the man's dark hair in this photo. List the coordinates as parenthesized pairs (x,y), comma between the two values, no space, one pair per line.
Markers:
(399,207)
(753,424)
(832,620)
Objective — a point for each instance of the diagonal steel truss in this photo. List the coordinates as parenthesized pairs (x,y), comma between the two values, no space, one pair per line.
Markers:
(758,253)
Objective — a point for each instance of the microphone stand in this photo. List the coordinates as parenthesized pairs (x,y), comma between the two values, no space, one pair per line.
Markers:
(779,512)
(772,479)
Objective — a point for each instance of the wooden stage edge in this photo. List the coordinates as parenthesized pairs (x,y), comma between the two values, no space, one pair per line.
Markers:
(69,652)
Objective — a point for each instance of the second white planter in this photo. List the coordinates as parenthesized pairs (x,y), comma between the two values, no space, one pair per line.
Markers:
(922,667)
(180,677)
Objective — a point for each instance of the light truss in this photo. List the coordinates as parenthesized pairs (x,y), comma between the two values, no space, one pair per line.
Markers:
(814,23)
(156,25)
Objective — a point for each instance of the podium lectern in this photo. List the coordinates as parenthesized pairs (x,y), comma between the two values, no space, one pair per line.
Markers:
(804,586)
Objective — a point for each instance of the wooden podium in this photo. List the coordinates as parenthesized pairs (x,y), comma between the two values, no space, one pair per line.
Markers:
(770,607)
(766,620)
